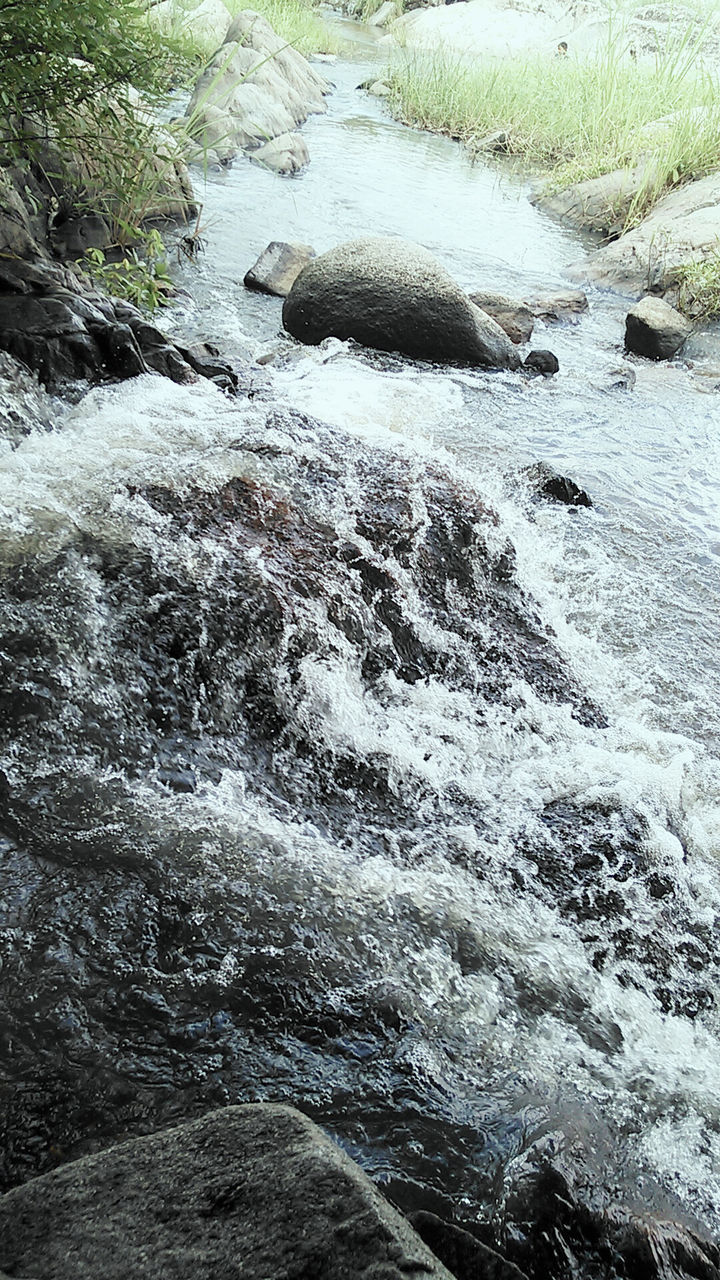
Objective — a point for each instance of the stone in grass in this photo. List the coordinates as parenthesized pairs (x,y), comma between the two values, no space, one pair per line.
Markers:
(255,1191)
(655,329)
(543,362)
(548,483)
(514,317)
(278,267)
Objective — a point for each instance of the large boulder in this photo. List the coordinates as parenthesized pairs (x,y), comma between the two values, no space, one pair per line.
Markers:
(393,295)
(252,1191)
(255,89)
(655,329)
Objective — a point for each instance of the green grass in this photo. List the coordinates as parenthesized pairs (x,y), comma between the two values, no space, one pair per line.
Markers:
(698,286)
(573,119)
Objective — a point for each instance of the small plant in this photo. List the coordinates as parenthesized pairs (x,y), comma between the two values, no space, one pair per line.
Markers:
(138,277)
(699,287)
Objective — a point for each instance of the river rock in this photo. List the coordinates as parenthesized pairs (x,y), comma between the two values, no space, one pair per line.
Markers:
(253,1191)
(286,154)
(255,89)
(278,267)
(568,304)
(541,361)
(393,295)
(24,406)
(548,483)
(514,317)
(655,329)
(682,228)
(64,329)
(601,204)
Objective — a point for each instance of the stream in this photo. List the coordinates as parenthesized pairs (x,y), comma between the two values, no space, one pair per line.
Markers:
(338,769)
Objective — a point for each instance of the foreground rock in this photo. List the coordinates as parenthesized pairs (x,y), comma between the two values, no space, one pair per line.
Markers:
(254,90)
(514,317)
(683,228)
(655,329)
(395,296)
(278,267)
(63,329)
(253,1191)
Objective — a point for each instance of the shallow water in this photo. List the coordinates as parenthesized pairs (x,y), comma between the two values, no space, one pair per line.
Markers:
(324,782)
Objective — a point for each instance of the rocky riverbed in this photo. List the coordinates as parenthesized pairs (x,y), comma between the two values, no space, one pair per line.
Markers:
(338,769)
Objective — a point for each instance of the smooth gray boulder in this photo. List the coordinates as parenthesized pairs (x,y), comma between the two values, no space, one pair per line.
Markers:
(655,329)
(257,1192)
(285,154)
(256,88)
(278,267)
(393,295)
(514,317)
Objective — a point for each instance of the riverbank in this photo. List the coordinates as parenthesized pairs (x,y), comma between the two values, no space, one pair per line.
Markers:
(610,124)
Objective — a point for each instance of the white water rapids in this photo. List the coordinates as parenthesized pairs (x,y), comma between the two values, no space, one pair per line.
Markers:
(534,894)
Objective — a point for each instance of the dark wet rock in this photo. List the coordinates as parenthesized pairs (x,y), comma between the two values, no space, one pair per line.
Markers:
(547,483)
(205,359)
(63,329)
(655,329)
(556,1222)
(393,295)
(514,317)
(24,406)
(257,1191)
(462,1253)
(552,308)
(541,361)
(72,237)
(278,267)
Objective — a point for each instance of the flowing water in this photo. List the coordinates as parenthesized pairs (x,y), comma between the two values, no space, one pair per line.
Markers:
(339,770)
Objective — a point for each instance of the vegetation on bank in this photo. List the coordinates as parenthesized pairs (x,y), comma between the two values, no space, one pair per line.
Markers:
(80,86)
(574,119)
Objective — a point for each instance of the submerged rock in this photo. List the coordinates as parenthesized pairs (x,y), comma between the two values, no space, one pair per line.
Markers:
(655,329)
(393,295)
(514,317)
(278,267)
(24,406)
(257,1191)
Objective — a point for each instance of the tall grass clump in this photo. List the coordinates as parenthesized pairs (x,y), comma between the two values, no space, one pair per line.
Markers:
(576,119)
